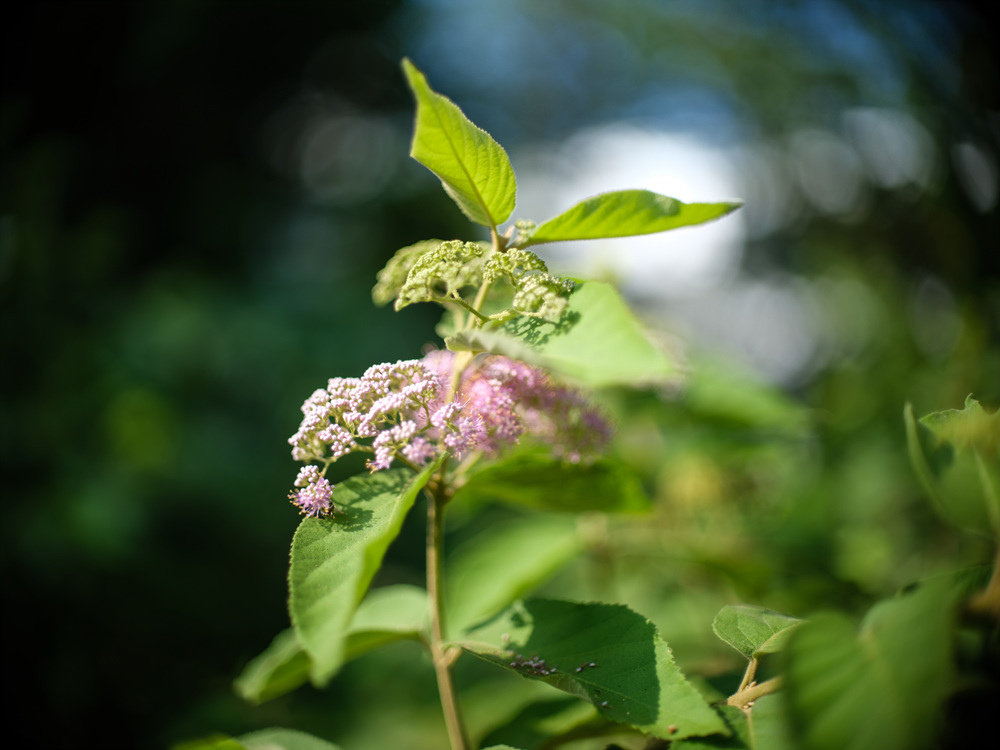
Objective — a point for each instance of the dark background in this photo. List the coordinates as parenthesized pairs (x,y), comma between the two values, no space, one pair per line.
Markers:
(176,275)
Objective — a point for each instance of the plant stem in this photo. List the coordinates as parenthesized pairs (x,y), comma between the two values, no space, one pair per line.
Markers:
(749,694)
(443,657)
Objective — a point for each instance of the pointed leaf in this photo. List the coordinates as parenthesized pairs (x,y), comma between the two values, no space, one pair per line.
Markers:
(281,668)
(598,342)
(473,168)
(388,614)
(505,562)
(546,483)
(956,455)
(754,631)
(604,653)
(333,560)
(626,213)
(880,689)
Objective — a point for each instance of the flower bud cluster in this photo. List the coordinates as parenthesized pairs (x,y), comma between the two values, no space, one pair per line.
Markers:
(406,411)
(439,274)
(536,291)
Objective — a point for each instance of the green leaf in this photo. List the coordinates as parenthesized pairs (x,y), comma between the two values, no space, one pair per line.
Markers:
(284,739)
(956,455)
(633,680)
(736,720)
(388,614)
(281,668)
(333,560)
(473,168)
(501,564)
(540,721)
(880,689)
(768,724)
(626,213)
(598,342)
(538,481)
(215,742)
(754,631)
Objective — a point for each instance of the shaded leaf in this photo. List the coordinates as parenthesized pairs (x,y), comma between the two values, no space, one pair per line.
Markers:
(633,678)
(878,689)
(503,563)
(956,455)
(386,615)
(473,168)
(626,213)
(284,739)
(333,560)
(541,720)
(754,631)
(215,742)
(538,481)
(737,722)
(281,668)
(768,724)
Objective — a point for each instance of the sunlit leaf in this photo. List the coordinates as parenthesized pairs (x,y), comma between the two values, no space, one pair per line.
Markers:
(753,631)
(878,689)
(598,342)
(603,653)
(473,168)
(625,213)
(505,562)
(333,560)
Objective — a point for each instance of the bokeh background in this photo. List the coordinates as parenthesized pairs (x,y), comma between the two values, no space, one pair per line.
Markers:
(195,198)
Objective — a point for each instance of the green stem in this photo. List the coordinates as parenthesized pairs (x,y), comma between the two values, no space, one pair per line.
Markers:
(742,698)
(442,656)
(749,675)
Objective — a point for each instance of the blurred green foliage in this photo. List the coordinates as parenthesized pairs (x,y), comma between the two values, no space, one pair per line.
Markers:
(180,266)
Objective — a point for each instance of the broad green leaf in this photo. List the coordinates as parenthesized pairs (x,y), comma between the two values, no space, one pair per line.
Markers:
(473,168)
(768,724)
(737,722)
(284,739)
(333,560)
(626,213)
(281,668)
(503,563)
(878,689)
(537,481)
(754,631)
(540,721)
(386,615)
(598,342)
(956,455)
(603,653)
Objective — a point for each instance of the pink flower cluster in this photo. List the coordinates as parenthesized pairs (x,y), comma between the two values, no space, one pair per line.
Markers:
(408,410)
